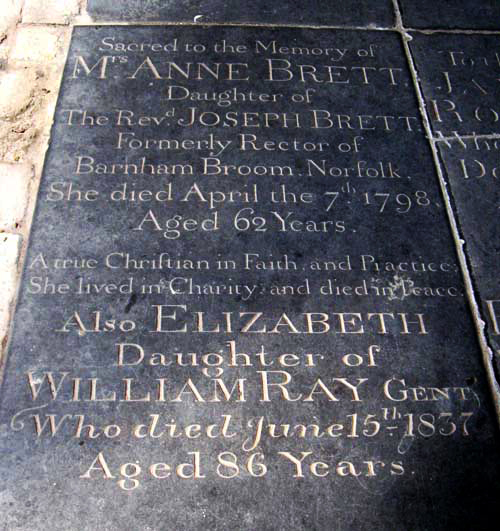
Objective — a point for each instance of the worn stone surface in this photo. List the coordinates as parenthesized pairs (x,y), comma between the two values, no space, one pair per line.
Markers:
(29,63)
(350,12)
(9,253)
(459,75)
(10,13)
(15,182)
(28,115)
(9,16)
(39,44)
(17,88)
(50,11)
(213,196)
(451,14)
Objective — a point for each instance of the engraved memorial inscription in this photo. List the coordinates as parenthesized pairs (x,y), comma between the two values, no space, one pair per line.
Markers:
(242,307)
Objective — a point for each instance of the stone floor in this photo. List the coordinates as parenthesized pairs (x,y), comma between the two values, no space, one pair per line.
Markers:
(34,38)
(450,52)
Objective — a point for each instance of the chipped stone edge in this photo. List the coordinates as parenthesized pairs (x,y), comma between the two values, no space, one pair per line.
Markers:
(479,323)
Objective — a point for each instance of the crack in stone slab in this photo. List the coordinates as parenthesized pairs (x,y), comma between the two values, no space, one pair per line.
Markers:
(369,27)
(454,225)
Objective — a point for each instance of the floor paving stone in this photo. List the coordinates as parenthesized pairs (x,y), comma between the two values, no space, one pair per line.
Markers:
(459,75)
(242,304)
(350,12)
(451,14)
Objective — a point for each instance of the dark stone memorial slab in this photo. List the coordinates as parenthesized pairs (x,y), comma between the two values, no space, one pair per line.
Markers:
(451,14)
(241,307)
(460,76)
(315,12)
(468,164)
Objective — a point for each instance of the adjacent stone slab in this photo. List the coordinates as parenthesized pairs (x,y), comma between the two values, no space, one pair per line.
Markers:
(39,44)
(450,14)
(15,182)
(11,10)
(50,12)
(471,166)
(10,245)
(350,12)
(460,75)
(242,307)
